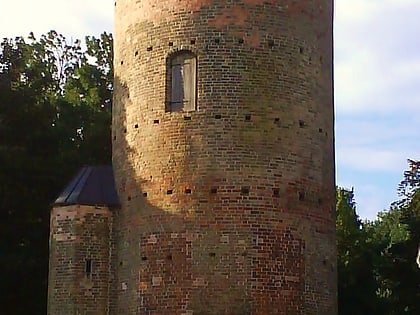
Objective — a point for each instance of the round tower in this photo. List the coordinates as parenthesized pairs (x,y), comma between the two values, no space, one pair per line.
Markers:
(81,267)
(223,144)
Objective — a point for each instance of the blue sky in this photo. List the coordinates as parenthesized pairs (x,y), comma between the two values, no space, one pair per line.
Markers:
(377,96)
(377,82)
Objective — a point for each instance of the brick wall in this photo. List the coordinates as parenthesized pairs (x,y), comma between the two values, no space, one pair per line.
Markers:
(227,209)
(80,275)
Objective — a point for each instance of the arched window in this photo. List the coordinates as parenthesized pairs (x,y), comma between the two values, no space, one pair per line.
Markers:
(182,84)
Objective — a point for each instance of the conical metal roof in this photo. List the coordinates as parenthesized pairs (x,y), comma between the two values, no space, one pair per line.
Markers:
(93,185)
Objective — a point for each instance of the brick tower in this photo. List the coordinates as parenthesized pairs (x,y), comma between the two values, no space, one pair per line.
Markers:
(223,157)
(81,245)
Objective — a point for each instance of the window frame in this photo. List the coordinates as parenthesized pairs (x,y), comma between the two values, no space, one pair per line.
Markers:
(181,59)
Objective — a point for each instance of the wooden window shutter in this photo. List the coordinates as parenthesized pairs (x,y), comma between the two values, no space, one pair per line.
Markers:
(189,71)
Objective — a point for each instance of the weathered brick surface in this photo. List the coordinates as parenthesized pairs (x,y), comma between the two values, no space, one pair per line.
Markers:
(228,209)
(79,233)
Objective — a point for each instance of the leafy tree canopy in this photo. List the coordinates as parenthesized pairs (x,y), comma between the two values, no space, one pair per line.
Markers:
(55,116)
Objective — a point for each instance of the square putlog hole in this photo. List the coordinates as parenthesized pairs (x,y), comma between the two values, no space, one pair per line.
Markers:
(301,196)
(88,266)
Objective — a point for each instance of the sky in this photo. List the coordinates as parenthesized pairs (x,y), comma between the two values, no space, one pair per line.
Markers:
(376,81)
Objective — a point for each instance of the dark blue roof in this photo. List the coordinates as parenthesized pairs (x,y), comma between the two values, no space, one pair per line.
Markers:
(93,185)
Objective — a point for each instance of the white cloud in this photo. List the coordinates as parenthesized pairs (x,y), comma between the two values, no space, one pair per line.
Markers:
(376,46)
(355,79)
(75,18)
(408,70)
(354,9)
(371,159)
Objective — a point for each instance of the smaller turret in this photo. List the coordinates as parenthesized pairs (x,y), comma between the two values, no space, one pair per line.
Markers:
(81,245)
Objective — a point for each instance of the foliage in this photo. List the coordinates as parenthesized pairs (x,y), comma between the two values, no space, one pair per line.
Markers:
(356,280)
(376,260)
(410,183)
(399,271)
(46,134)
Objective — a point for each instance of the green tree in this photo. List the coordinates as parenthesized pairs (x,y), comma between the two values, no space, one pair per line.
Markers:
(383,233)
(356,279)
(27,150)
(399,273)
(86,107)
(45,136)
(376,260)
